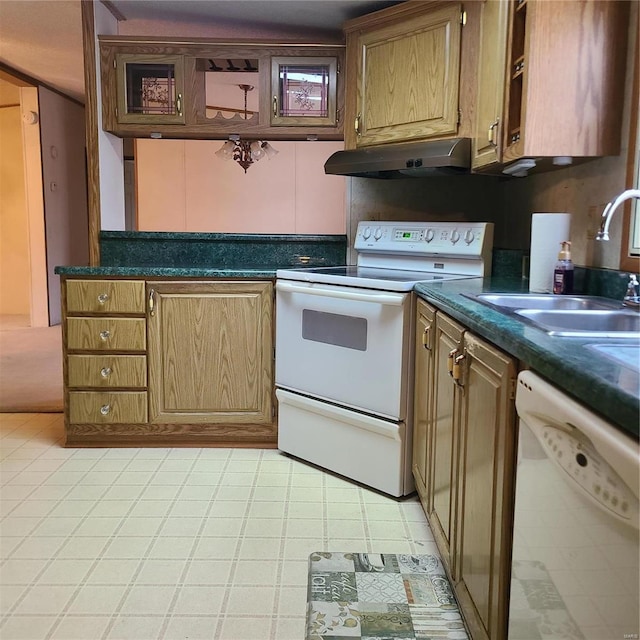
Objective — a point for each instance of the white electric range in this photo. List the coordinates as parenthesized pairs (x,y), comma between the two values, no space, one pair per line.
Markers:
(344,365)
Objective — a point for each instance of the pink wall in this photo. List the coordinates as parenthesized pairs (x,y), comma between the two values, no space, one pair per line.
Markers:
(182,185)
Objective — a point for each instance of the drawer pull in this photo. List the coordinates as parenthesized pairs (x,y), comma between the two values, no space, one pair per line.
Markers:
(105,409)
(105,372)
(103,297)
(105,335)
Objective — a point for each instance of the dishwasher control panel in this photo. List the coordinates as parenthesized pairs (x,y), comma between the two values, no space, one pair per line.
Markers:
(594,457)
(577,457)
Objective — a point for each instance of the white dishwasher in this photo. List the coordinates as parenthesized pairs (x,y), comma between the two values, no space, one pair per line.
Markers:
(575,569)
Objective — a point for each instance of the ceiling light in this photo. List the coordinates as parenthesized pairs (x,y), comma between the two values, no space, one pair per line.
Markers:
(246,152)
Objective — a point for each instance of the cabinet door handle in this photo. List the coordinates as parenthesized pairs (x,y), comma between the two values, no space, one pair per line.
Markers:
(152,302)
(275,106)
(492,128)
(425,338)
(105,335)
(179,104)
(103,297)
(356,125)
(450,357)
(105,372)
(105,409)
(457,369)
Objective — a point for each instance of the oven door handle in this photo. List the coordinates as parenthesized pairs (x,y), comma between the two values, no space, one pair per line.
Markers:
(382,297)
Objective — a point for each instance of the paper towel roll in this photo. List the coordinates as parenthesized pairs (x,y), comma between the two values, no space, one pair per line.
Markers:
(548,230)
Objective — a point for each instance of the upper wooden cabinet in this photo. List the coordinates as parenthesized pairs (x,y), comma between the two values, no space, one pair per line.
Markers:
(303,91)
(403,74)
(492,53)
(565,78)
(150,89)
(199,89)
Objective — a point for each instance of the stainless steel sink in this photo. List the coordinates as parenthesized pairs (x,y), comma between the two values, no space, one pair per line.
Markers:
(625,354)
(513,301)
(603,323)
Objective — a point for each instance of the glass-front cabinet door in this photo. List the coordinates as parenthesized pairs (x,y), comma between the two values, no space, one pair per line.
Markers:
(150,88)
(304,91)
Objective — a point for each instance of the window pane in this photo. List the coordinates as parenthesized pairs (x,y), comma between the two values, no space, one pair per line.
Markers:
(151,89)
(304,90)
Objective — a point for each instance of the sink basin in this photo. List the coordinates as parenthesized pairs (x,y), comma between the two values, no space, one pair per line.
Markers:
(627,355)
(603,323)
(514,301)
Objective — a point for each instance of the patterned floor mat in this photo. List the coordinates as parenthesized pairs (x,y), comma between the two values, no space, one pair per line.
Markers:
(380,597)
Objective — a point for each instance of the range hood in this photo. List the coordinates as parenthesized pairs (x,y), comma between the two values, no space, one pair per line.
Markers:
(408,160)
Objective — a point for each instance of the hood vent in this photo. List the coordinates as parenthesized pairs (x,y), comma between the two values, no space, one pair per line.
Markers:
(410,160)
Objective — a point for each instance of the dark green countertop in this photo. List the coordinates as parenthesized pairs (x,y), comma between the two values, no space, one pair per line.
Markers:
(166,272)
(598,382)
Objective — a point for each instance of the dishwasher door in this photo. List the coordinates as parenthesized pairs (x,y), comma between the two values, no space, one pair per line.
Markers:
(575,570)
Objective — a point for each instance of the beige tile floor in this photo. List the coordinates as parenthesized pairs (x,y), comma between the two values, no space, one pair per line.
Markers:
(139,544)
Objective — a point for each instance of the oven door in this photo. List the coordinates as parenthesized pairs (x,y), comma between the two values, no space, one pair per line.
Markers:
(344,344)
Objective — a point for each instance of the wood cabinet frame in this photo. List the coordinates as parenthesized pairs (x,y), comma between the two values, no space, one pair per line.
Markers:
(256,430)
(383,29)
(465,424)
(196,125)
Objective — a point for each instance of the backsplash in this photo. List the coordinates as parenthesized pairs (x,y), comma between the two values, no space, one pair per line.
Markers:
(590,281)
(219,250)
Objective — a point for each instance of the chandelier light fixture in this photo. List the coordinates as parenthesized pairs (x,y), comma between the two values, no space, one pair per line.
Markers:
(245,152)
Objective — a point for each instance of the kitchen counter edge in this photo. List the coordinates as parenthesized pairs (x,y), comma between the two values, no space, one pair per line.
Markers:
(599,383)
(166,272)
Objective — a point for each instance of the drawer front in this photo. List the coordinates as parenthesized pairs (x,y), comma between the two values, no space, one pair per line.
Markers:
(105,296)
(107,407)
(107,334)
(107,371)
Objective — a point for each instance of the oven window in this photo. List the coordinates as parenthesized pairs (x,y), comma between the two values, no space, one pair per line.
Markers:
(335,329)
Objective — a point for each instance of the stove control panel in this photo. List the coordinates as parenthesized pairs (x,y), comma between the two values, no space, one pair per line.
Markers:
(455,239)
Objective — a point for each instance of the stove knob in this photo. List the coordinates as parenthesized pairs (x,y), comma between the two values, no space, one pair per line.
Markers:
(430,235)
(366,233)
(377,234)
(469,236)
(455,236)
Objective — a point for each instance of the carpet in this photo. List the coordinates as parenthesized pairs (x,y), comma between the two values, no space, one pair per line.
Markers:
(380,596)
(31,370)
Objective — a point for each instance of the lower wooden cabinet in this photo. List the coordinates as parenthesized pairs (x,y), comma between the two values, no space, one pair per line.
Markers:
(469,425)
(210,352)
(176,362)
(107,407)
(424,340)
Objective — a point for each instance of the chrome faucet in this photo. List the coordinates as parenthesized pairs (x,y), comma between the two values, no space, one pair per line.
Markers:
(603,233)
(631,298)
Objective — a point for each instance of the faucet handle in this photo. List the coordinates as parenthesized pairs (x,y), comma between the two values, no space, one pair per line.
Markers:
(631,296)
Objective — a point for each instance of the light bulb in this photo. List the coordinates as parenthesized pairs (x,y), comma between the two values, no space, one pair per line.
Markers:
(257,151)
(269,150)
(226,150)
